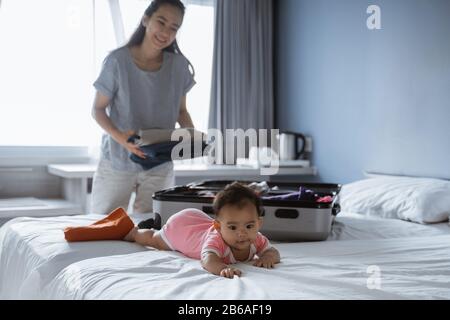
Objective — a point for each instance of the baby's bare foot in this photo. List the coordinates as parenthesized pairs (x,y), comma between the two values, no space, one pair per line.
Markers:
(131,235)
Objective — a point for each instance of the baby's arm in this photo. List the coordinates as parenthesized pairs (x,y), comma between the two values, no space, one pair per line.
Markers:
(268,258)
(212,263)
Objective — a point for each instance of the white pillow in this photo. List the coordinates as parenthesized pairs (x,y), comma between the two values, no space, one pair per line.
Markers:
(421,200)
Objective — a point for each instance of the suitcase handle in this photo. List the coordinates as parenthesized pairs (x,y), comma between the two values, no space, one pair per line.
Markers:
(336,209)
(286,214)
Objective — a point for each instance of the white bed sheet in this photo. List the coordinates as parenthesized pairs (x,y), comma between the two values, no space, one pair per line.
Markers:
(353,226)
(407,268)
(33,250)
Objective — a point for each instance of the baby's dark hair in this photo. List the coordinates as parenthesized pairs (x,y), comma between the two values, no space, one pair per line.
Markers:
(237,194)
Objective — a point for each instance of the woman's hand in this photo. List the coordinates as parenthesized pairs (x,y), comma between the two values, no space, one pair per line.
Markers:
(99,114)
(229,272)
(122,139)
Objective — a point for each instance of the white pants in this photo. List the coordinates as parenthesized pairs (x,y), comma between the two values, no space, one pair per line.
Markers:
(112,189)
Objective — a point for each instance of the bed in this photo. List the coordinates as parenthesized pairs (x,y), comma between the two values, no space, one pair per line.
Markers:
(33,251)
(407,268)
(368,255)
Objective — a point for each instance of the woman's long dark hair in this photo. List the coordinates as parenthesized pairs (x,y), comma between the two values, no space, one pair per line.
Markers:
(138,35)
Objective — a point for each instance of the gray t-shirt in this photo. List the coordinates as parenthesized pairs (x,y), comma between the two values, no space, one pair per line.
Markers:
(140,100)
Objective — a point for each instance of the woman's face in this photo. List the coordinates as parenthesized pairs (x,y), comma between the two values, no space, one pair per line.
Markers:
(162,26)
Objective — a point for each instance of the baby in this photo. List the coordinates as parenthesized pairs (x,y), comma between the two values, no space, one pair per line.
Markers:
(231,237)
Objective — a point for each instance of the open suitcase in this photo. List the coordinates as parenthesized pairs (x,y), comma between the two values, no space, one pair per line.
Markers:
(284,220)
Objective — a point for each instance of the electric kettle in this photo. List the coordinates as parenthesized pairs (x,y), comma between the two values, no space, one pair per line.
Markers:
(292,145)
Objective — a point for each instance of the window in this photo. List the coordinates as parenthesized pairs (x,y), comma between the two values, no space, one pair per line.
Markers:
(46,70)
(196,42)
(52,51)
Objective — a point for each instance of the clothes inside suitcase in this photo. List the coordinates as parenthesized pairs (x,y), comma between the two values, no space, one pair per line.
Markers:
(284,220)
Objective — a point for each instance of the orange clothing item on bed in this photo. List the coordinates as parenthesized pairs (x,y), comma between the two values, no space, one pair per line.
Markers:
(115,226)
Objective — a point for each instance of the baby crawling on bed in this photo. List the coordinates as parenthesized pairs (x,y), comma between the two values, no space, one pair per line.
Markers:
(231,237)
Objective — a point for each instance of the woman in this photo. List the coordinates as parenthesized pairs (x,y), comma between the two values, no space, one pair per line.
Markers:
(142,85)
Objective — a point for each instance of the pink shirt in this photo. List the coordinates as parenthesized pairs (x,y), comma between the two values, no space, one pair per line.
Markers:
(191,232)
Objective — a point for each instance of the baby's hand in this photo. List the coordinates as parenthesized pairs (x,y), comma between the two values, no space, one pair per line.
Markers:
(265,262)
(229,272)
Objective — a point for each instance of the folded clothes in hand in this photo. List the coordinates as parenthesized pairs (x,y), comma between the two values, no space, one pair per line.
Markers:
(153,136)
(159,153)
(114,226)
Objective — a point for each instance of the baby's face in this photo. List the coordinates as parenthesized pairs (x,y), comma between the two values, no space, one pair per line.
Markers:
(239,226)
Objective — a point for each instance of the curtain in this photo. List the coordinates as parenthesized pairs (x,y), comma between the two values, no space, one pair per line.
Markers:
(242,94)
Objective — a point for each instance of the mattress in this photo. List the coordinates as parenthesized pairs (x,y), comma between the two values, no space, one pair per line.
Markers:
(402,268)
(36,262)
(353,226)
(33,251)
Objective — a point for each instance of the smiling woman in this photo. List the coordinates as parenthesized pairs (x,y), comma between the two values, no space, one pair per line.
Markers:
(142,85)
